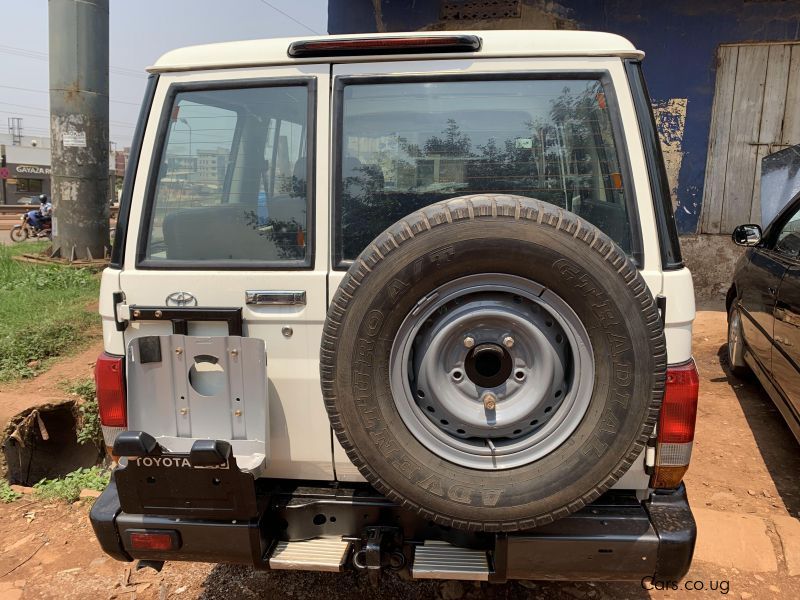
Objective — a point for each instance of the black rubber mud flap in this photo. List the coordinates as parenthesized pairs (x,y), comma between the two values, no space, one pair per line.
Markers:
(528,239)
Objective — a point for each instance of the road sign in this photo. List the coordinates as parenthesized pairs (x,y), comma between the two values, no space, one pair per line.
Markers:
(4,173)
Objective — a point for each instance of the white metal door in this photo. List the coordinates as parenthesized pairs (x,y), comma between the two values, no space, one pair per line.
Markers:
(290,325)
(390,72)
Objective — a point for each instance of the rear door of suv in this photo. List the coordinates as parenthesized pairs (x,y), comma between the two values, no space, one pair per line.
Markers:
(563,130)
(233,215)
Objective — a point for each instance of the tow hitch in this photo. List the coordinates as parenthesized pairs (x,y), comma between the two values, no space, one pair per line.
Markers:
(381,547)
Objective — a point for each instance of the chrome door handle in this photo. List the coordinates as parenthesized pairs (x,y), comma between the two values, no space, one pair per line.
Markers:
(275,298)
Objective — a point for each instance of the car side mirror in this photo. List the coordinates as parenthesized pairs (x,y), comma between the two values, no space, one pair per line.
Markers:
(747,235)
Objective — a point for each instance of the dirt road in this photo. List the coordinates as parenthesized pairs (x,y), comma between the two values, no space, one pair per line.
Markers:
(743,486)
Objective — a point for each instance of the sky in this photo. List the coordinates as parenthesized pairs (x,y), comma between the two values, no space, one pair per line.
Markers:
(140,32)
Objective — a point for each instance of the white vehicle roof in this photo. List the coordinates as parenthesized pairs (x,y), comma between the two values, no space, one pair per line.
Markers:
(495,44)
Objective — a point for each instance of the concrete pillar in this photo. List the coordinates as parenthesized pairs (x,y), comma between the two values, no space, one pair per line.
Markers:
(79,126)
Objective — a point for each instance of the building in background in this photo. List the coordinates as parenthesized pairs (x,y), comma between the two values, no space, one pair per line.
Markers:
(723,75)
(28,164)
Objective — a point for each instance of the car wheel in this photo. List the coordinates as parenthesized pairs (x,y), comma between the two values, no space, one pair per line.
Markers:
(493,363)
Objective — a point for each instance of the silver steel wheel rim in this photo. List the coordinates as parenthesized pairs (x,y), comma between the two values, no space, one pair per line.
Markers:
(539,405)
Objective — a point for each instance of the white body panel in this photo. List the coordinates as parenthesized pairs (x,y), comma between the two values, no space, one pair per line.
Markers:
(523,43)
(300,438)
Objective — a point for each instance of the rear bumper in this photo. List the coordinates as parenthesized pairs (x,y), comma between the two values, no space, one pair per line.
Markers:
(616,538)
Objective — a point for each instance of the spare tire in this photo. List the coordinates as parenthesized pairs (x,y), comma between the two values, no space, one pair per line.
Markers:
(493,362)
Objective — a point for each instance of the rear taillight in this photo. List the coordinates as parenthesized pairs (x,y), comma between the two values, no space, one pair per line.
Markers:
(675,433)
(109,378)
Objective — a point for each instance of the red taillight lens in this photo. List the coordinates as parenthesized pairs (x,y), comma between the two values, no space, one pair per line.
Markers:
(675,433)
(679,409)
(154,540)
(109,377)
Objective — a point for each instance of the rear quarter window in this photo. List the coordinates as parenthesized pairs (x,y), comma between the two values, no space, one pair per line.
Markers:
(404,145)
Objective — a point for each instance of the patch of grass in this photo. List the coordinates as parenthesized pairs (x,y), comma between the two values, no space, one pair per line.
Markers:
(88,430)
(7,495)
(68,488)
(43,311)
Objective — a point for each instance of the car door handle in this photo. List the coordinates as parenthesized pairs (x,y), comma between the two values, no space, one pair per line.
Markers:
(275,297)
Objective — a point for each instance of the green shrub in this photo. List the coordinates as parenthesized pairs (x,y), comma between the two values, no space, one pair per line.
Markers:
(6,493)
(68,488)
(88,428)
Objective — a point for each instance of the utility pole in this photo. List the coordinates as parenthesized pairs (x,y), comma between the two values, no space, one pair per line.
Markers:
(79,127)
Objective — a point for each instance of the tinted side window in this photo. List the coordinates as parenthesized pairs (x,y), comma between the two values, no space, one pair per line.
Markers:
(788,238)
(407,145)
(231,184)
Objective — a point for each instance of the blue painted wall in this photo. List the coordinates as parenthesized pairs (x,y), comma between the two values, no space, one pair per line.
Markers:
(680,38)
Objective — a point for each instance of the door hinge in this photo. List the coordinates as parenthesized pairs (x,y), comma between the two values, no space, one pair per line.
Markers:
(661,305)
(122,313)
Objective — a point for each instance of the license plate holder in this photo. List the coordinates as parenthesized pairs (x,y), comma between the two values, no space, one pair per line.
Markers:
(167,484)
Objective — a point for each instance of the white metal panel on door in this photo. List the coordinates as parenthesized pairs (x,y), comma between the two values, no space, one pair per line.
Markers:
(299,434)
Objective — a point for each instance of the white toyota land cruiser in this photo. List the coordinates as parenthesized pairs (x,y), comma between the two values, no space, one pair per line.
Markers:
(407,301)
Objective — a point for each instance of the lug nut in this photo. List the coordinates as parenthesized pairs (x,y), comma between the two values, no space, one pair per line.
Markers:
(508,341)
(469,342)
(489,401)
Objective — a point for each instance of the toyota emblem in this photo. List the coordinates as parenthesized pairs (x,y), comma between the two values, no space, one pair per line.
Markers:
(181,299)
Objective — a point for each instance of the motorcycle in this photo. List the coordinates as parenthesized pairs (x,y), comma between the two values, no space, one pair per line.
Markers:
(26,229)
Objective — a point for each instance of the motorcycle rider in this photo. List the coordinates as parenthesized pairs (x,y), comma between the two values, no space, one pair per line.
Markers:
(41,218)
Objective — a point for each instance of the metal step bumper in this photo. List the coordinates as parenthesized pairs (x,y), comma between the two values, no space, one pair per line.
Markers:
(440,560)
(322,554)
(617,538)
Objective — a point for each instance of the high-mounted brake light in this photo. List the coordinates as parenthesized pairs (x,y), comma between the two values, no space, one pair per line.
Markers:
(109,377)
(385,45)
(675,433)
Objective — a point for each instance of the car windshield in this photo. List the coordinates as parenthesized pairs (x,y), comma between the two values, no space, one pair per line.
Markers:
(406,145)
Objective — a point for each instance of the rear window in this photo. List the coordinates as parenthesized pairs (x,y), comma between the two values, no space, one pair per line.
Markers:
(406,145)
(232,185)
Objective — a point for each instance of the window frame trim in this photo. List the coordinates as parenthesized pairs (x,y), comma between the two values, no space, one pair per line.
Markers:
(307,264)
(603,76)
(669,242)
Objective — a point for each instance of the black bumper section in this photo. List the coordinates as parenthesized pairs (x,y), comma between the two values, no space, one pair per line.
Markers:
(615,538)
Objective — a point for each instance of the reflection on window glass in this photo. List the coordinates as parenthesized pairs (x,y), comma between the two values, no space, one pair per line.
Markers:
(407,145)
(232,180)
(788,242)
